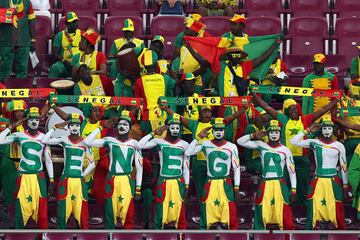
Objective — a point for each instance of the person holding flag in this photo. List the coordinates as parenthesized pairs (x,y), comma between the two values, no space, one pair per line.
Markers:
(218,198)
(173,183)
(326,191)
(31,192)
(72,192)
(66,45)
(293,122)
(120,188)
(273,198)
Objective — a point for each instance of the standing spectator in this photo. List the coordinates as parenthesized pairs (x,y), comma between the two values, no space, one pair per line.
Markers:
(66,45)
(172,7)
(41,7)
(217,7)
(318,79)
(237,35)
(16,43)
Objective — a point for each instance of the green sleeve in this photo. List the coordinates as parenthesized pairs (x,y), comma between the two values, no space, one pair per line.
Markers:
(138,51)
(142,45)
(77,90)
(169,85)
(282,118)
(113,50)
(117,87)
(193,124)
(306,100)
(57,40)
(354,69)
(179,40)
(221,79)
(76,59)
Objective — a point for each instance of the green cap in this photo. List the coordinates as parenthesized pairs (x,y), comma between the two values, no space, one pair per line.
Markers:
(173,119)
(218,123)
(125,115)
(32,112)
(74,118)
(71,16)
(128,25)
(158,38)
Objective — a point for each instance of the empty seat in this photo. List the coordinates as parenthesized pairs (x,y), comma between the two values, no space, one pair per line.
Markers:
(315,8)
(336,64)
(307,35)
(85,22)
(113,29)
(258,26)
(256,8)
(347,8)
(216,26)
(347,37)
(298,66)
(81,8)
(125,7)
(169,27)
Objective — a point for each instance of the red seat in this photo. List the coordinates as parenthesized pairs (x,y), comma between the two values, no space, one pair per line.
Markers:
(85,22)
(169,27)
(313,8)
(298,66)
(347,37)
(347,8)
(125,7)
(258,26)
(43,34)
(307,35)
(216,26)
(336,64)
(81,8)
(19,82)
(256,8)
(113,29)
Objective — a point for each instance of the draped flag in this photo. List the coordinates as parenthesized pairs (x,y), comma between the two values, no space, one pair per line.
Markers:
(211,48)
(296,91)
(7,15)
(125,101)
(204,101)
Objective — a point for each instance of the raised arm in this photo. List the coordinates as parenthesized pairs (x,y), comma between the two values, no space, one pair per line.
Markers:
(265,106)
(147,142)
(324,110)
(51,141)
(343,123)
(245,141)
(291,170)
(63,115)
(235,115)
(49,163)
(91,140)
(3,137)
(193,148)
(89,156)
(259,60)
(298,140)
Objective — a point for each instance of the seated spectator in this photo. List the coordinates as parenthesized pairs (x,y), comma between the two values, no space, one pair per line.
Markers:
(66,45)
(41,7)
(172,7)
(216,7)
(95,60)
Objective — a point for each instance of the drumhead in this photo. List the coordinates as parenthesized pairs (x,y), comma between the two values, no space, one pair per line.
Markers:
(62,84)
(125,51)
(55,119)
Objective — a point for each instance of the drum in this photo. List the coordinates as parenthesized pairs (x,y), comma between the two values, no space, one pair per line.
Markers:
(55,119)
(63,87)
(128,62)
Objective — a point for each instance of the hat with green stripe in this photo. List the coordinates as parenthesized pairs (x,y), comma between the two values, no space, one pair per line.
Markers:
(273,125)
(74,118)
(218,123)
(32,112)
(128,25)
(71,16)
(158,38)
(125,115)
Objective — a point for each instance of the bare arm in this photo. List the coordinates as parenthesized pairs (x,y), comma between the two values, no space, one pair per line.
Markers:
(265,106)
(235,115)
(259,60)
(345,124)
(324,110)
(63,115)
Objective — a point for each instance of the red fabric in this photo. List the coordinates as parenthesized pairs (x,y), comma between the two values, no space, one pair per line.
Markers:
(43,214)
(139,93)
(129,220)
(64,184)
(260,197)
(288,218)
(84,215)
(335,84)
(340,218)
(283,67)
(111,183)
(161,187)
(206,191)
(208,48)
(243,120)
(18,184)
(247,68)
(233,216)
(147,167)
(107,85)
(313,185)
(182,218)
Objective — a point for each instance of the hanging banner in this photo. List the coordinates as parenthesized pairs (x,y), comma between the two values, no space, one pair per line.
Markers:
(296,91)
(204,101)
(73,99)
(26,93)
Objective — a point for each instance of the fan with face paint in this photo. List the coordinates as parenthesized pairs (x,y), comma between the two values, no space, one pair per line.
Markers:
(174,125)
(274,136)
(124,125)
(327,126)
(74,128)
(33,115)
(218,128)
(274,130)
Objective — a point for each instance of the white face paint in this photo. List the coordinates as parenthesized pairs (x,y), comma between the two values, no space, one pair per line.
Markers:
(123,127)
(33,123)
(174,129)
(327,131)
(74,128)
(219,133)
(274,136)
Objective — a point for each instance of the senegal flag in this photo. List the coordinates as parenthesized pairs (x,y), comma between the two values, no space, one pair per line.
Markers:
(354,178)
(211,48)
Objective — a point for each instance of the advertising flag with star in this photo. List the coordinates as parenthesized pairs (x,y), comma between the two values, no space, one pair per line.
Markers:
(119,201)
(272,205)
(325,202)
(217,204)
(169,202)
(72,198)
(31,200)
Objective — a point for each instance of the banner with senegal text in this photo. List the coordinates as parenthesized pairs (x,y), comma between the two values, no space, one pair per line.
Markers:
(205,101)
(26,93)
(75,99)
(296,91)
